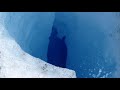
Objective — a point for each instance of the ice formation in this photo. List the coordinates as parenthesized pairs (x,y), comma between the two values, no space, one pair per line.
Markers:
(90,46)
(92,41)
(15,63)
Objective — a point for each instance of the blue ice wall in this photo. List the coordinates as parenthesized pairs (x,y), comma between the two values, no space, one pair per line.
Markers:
(87,39)
(92,46)
(31,30)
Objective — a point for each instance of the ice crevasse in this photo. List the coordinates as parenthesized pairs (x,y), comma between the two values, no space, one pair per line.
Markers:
(16,63)
(92,40)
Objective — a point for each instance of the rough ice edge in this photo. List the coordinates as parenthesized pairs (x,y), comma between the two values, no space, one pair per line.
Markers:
(15,63)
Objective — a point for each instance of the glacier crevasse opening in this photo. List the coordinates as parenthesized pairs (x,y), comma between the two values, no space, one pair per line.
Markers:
(91,39)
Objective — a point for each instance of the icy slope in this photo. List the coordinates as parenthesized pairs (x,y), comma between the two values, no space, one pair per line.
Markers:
(15,63)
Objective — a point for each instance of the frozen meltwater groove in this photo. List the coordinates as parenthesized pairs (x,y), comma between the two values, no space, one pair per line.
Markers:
(15,63)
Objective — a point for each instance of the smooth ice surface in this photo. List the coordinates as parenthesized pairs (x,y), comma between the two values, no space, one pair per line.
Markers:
(15,63)
(93,49)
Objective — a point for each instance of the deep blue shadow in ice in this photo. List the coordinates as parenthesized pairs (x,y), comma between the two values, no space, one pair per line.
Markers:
(57,50)
(86,57)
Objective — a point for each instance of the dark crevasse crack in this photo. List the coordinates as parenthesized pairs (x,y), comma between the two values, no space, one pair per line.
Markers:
(57,49)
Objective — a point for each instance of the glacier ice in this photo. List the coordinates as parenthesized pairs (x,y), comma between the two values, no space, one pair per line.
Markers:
(92,38)
(15,63)
(30,30)
(90,47)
